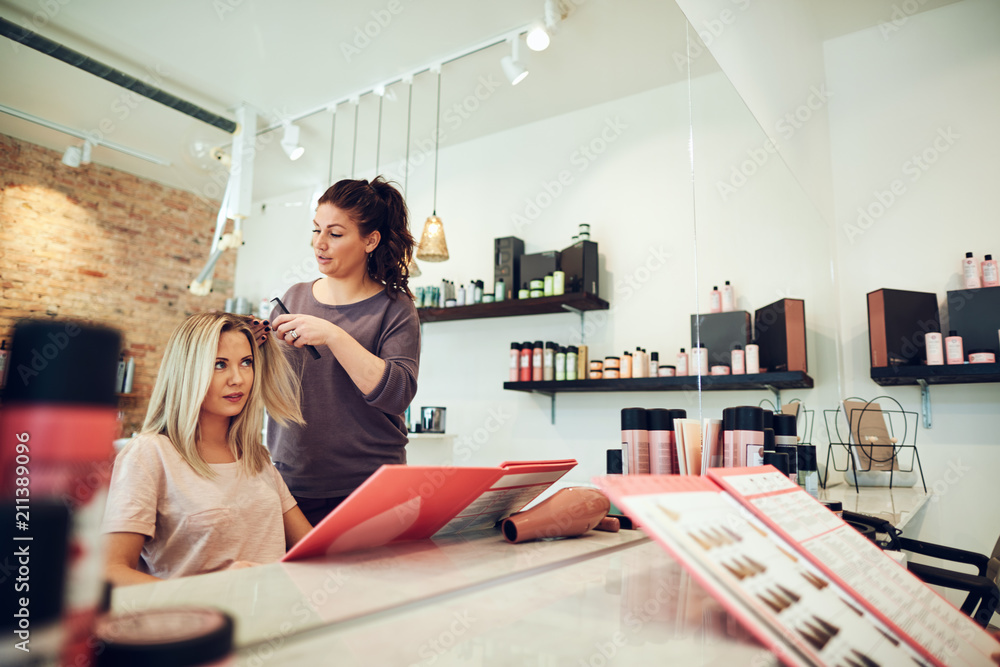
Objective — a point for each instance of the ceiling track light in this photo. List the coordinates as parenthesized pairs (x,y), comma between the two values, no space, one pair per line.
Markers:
(290,142)
(74,156)
(540,34)
(513,68)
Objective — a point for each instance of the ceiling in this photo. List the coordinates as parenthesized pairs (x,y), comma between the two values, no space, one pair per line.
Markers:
(306,56)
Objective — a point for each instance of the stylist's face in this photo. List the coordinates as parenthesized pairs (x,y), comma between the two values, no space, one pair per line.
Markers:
(232,376)
(340,250)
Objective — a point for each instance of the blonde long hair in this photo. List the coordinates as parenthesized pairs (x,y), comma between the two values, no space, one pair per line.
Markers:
(183,381)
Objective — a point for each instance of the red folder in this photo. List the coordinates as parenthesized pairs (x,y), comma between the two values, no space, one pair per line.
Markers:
(400,502)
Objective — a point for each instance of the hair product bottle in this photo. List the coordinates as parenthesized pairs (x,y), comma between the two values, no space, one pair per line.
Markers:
(715,301)
(737,360)
(752,359)
(953,349)
(728,298)
(635,441)
(991,276)
(682,363)
(626,365)
(933,344)
(526,354)
(515,362)
(970,272)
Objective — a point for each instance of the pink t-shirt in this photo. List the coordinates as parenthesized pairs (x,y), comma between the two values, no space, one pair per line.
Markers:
(193,524)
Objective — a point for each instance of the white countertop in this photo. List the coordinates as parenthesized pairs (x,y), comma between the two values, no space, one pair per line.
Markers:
(897,505)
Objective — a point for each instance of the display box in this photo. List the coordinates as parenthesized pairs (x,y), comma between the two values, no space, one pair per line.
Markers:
(897,323)
(579,263)
(975,315)
(780,332)
(721,332)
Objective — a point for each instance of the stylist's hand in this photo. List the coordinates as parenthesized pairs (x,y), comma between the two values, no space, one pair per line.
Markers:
(308,330)
(261,329)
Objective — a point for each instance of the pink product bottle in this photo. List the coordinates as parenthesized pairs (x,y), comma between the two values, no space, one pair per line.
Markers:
(536,361)
(699,360)
(635,442)
(934,345)
(715,301)
(515,361)
(654,364)
(57,426)
(626,365)
(748,436)
(526,353)
(728,298)
(991,274)
(970,272)
(682,363)
(662,444)
(954,354)
(737,360)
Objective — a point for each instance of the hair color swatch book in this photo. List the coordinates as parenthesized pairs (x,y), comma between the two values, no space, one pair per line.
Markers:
(400,502)
(890,591)
(778,590)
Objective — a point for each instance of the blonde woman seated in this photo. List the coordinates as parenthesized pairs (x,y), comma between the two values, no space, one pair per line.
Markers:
(196,491)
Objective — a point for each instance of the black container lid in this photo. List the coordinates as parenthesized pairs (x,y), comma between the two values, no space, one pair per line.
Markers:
(727,282)
(561,350)
(701,345)
(784,425)
(748,418)
(833,505)
(768,418)
(968,254)
(728,418)
(769,440)
(573,349)
(777,459)
(988,257)
(678,414)
(169,637)
(615,358)
(634,419)
(952,332)
(613,465)
(527,345)
(793,455)
(807,457)
(659,419)
(737,347)
(56,361)
(550,345)
(515,346)
(979,351)
(654,355)
(667,366)
(626,352)
(715,287)
(538,343)
(682,350)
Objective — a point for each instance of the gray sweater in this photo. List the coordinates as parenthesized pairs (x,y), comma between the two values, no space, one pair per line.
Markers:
(348,435)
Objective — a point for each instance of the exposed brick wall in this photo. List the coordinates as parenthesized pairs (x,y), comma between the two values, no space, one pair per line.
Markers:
(102,246)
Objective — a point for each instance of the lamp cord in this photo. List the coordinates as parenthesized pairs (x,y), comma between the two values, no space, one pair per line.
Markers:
(354,151)
(437,137)
(378,134)
(333,138)
(406,166)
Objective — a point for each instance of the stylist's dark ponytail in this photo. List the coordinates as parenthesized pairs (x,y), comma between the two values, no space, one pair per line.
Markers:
(378,206)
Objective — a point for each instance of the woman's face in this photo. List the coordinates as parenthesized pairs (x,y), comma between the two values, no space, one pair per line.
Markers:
(340,249)
(232,376)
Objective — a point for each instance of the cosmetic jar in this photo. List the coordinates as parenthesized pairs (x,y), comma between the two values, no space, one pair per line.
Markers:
(558,283)
(450,303)
(174,637)
(721,369)
(487,298)
(611,374)
(523,293)
(666,371)
(536,284)
(596,365)
(535,293)
(596,375)
(611,363)
(982,357)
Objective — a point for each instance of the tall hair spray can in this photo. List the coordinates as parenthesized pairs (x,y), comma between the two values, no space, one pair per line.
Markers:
(635,441)
(57,426)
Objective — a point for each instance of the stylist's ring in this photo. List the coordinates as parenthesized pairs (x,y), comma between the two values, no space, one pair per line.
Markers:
(294,334)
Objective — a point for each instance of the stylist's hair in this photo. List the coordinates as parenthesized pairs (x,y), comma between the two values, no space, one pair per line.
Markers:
(183,381)
(378,206)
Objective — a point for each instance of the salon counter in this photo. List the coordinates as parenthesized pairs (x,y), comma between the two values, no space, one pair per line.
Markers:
(897,505)
(469,600)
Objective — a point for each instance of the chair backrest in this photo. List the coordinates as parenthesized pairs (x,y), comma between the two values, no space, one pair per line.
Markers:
(993,567)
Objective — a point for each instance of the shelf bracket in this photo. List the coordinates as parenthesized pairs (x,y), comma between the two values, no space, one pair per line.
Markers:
(777,396)
(583,341)
(552,402)
(925,402)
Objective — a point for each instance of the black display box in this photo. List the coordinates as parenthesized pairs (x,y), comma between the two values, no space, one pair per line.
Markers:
(579,263)
(780,333)
(507,253)
(721,333)
(974,314)
(538,265)
(897,322)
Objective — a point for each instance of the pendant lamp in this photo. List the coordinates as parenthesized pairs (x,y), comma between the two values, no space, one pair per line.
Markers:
(432,247)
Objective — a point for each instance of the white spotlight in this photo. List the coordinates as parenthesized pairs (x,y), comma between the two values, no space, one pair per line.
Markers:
(537,39)
(512,67)
(290,142)
(74,156)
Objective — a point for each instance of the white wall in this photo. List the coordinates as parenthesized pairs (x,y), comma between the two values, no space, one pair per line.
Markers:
(768,236)
(898,93)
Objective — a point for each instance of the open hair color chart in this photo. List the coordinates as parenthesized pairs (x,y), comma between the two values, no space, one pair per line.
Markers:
(891,591)
(783,594)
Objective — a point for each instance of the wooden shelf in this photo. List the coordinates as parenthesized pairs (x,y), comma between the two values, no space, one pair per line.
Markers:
(891,376)
(574,302)
(769,381)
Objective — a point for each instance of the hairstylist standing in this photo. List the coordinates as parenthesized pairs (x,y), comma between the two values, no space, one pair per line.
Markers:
(361,318)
